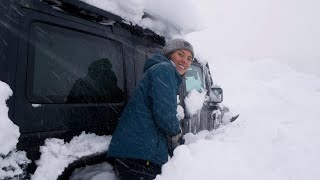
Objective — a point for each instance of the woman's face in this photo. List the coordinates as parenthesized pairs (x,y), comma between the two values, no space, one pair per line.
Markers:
(182,59)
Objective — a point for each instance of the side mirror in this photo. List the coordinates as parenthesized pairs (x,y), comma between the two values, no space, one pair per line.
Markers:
(216,95)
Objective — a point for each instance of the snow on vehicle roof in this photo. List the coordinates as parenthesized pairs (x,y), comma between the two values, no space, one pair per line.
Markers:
(166,18)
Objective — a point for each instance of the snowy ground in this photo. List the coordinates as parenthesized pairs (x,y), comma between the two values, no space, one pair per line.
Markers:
(11,160)
(56,155)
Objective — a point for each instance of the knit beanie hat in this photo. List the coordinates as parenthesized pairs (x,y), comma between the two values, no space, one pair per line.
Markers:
(177,44)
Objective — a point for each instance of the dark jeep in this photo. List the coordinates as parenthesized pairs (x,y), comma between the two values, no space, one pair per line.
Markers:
(72,68)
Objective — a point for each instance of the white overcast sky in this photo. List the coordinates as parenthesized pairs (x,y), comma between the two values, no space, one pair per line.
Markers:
(288,30)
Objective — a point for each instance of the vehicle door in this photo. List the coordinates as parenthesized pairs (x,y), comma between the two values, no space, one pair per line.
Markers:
(70,77)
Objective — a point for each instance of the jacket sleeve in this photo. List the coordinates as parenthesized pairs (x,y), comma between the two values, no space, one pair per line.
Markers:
(164,99)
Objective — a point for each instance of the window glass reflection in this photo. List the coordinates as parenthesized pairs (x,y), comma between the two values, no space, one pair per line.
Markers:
(69,66)
(194,79)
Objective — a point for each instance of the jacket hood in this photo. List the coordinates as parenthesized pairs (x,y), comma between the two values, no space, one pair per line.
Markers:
(156,59)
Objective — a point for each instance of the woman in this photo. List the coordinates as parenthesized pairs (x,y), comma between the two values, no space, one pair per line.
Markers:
(139,144)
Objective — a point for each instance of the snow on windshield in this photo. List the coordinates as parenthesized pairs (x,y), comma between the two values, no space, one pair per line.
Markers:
(194,101)
(10,159)
(166,18)
(56,155)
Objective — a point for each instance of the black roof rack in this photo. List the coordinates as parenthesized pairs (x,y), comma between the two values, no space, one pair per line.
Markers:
(84,10)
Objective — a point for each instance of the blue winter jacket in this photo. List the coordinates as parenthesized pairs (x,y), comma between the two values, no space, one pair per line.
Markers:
(150,115)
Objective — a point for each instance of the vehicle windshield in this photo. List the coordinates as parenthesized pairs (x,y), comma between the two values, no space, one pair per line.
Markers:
(194,79)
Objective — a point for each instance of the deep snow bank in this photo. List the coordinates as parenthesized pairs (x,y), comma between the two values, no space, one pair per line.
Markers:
(56,155)
(9,132)
(11,160)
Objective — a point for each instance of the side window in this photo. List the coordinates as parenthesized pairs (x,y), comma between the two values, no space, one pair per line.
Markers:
(68,66)
(194,79)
